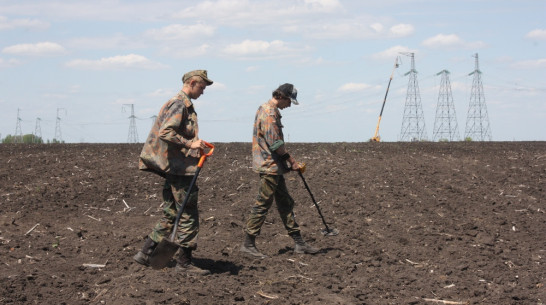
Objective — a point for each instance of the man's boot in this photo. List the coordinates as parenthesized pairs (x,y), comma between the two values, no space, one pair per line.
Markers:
(143,256)
(184,263)
(249,247)
(301,246)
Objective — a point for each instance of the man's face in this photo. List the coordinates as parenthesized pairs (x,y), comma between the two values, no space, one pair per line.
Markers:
(197,88)
(284,102)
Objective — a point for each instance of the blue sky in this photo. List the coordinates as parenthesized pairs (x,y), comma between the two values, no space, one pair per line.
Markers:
(87,59)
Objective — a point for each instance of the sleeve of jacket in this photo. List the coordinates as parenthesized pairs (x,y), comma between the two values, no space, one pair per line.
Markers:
(170,129)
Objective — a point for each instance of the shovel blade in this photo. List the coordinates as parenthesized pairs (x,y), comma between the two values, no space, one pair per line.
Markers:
(163,254)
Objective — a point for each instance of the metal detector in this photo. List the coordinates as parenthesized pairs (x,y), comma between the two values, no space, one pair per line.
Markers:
(327,231)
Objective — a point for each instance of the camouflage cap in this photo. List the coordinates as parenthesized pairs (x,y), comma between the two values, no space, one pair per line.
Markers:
(289,91)
(200,73)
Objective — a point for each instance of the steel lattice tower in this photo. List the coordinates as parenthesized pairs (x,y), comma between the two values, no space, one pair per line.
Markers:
(445,124)
(37,131)
(132,136)
(413,122)
(58,135)
(18,138)
(477,120)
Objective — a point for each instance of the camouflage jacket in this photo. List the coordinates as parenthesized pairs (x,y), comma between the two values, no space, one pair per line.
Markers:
(267,131)
(167,148)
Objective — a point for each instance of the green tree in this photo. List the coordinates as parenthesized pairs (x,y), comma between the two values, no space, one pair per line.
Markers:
(30,138)
(27,139)
(8,139)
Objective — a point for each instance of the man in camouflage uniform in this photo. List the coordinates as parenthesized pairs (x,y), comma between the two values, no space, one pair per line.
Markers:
(172,151)
(269,159)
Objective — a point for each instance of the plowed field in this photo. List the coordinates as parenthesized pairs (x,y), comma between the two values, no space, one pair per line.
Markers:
(419,223)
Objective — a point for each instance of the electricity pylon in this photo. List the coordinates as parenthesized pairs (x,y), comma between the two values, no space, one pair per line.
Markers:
(18,138)
(445,124)
(58,136)
(132,136)
(153,117)
(37,131)
(413,122)
(477,120)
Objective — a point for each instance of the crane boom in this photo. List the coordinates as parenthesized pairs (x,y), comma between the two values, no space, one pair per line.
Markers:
(376,137)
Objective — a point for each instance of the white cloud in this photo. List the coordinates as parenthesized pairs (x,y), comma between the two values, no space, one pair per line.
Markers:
(377,27)
(9,63)
(180,32)
(116,41)
(7,24)
(244,12)
(341,29)
(92,10)
(252,68)
(185,52)
(323,5)
(257,48)
(537,34)
(131,61)
(36,49)
(442,41)
(393,52)
(530,64)
(402,30)
(354,87)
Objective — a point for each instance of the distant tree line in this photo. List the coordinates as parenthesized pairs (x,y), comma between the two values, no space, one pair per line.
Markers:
(27,139)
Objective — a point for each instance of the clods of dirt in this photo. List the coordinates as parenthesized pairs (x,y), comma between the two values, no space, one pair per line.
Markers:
(419,223)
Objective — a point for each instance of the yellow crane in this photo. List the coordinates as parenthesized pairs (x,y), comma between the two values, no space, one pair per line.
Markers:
(376,137)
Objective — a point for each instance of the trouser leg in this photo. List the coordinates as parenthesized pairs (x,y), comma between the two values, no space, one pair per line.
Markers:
(264,200)
(285,207)
(174,193)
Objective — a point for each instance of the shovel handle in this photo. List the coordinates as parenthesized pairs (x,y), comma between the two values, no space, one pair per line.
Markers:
(190,188)
(205,155)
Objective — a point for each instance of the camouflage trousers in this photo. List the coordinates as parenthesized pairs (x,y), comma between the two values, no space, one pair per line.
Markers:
(272,187)
(174,193)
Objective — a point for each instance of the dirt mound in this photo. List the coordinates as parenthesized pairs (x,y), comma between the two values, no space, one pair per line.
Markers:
(418,222)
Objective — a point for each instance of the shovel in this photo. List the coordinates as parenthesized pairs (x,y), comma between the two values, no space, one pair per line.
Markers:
(327,231)
(165,250)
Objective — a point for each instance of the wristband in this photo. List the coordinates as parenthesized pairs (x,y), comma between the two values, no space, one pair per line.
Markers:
(285,157)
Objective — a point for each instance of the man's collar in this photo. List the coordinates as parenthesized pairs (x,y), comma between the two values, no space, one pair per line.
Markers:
(186,99)
(272,103)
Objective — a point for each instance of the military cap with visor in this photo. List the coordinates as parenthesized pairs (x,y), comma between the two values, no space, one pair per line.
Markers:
(200,73)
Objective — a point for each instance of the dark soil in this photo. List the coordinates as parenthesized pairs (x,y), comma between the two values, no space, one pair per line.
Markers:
(419,223)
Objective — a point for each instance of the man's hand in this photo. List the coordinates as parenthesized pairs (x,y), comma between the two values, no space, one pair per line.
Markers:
(198,144)
(295,166)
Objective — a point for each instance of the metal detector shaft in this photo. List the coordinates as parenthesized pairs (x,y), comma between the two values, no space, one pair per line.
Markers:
(315,202)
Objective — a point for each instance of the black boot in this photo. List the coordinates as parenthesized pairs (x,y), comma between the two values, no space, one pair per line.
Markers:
(184,263)
(249,246)
(301,246)
(143,256)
